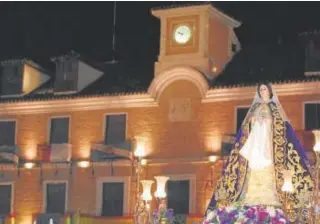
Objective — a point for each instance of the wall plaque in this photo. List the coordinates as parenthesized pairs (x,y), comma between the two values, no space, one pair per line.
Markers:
(180,109)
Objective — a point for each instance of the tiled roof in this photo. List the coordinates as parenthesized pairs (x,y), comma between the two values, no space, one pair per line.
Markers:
(273,81)
(123,77)
(273,63)
(120,78)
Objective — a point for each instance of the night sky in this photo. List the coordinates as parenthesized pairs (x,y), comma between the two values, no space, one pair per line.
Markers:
(40,30)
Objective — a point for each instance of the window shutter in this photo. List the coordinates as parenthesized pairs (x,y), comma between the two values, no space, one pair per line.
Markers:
(5,202)
(241,114)
(56,197)
(112,199)
(7,132)
(312,116)
(178,196)
(115,129)
(59,132)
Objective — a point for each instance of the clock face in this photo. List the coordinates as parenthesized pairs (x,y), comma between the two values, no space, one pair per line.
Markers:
(182,34)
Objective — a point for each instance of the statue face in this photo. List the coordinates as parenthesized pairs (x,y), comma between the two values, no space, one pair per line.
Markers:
(264,92)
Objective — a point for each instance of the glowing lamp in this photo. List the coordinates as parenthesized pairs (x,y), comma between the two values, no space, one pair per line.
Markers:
(144,162)
(83,164)
(287,185)
(29,165)
(140,148)
(213,158)
(146,186)
(161,184)
(214,69)
(316,147)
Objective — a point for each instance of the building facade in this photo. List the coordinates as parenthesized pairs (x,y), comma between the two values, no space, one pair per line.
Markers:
(67,146)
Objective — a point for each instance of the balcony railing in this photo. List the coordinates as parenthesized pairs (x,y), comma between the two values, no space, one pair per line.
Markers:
(101,151)
(77,218)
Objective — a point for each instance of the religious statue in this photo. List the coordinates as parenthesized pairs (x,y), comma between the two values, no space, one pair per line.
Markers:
(266,147)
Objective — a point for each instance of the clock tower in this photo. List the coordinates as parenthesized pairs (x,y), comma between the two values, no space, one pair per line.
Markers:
(199,36)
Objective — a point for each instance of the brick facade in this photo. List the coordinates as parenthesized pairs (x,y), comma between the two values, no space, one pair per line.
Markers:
(181,120)
(196,137)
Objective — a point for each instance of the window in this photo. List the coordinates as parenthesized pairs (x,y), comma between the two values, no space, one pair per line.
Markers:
(68,69)
(59,130)
(112,199)
(7,133)
(241,114)
(56,197)
(178,196)
(66,75)
(311,116)
(113,196)
(6,199)
(115,129)
(11,80)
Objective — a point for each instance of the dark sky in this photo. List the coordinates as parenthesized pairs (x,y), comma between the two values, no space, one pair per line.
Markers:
(44,29)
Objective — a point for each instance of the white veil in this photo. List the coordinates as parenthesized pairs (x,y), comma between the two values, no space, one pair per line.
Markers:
(257,147)
(274,99)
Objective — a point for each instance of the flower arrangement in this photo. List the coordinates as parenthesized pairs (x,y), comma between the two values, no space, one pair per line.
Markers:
(237,214)
(163,214)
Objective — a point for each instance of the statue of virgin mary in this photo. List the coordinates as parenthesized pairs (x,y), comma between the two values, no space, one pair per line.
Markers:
(266,147)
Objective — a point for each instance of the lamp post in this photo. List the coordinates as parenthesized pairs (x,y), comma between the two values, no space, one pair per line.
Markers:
(316,149)
(139,155)
(144,214)
(142,211)
(139,206)
(161,195)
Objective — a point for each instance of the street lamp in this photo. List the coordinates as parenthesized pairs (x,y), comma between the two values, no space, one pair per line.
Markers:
(139,162)
(146,193)
(142,213)
(161,185)
(143,209)
(316,149)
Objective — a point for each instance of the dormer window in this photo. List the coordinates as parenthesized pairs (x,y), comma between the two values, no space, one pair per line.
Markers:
(11,78)
(73,75)
(66,73)
(312,56)
(20,77)
(67,69)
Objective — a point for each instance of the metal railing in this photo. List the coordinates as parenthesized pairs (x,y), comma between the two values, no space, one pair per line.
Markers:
(78,218)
